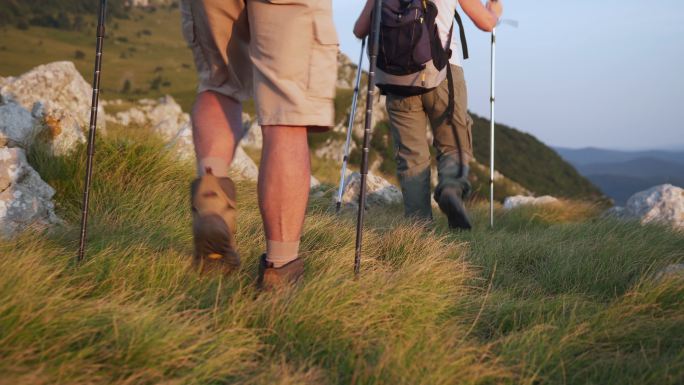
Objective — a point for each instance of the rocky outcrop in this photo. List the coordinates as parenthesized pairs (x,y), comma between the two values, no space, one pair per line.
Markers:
(21,128)
(380,191)
(61,90)
(675,271)
(520,200)
(25,199)
(164,116)
(662,204)
(252,136)
(333,149)
(346,71)
(17,128)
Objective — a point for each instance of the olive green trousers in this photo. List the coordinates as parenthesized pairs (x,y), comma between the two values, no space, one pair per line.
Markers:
(452,141)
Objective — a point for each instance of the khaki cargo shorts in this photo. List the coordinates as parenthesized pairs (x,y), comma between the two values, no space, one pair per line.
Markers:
(281,52)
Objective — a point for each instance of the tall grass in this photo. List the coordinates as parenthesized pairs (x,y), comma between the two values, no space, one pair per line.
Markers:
(552,295)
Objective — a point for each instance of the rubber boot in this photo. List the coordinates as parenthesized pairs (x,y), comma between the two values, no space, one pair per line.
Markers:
(452,189)
(214,223)
(416,193)
(272,279)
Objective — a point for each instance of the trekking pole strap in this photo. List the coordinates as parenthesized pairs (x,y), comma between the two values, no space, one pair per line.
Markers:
(461,30)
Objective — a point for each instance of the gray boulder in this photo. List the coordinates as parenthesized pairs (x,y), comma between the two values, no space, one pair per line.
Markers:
(661,204)
(25,199)
(17,128)
(670,272)
(380,191)
(20,128)
(59,87)
(346,71)
(243,166)
(333,149)
(252,137)
(521,200)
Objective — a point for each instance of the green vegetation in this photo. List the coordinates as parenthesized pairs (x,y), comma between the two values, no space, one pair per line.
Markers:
(60,14)
(553,295)
(145,55)
(529,162)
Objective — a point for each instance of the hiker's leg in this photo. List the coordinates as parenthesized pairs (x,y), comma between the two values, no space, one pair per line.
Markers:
(284,177)
(294,87)
(452,134)
(216,30)
(408,125)
(218,35)
(452,141)
(216,131)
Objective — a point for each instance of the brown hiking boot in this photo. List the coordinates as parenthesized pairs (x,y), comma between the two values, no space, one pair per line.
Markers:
(213,224)
(271,278)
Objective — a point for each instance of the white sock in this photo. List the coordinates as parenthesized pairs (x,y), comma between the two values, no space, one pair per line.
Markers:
(281,253)
(215,166)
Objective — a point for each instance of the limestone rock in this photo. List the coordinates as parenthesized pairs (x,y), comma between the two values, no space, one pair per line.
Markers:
(252,137)
(346,71)
(380,191)
(660,204)
(671,272)
(16,126)
(333,149)
(25,199)
(60,130)
(181,142)
(163,115)
(59,87)
(243,166)
(520,200)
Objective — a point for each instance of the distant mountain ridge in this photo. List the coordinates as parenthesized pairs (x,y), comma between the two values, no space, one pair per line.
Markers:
(598,155)
(620,174)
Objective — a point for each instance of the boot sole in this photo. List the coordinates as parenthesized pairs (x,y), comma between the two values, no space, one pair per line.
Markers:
(214,244)
(455,212)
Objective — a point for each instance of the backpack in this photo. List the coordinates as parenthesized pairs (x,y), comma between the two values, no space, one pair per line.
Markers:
(411,57)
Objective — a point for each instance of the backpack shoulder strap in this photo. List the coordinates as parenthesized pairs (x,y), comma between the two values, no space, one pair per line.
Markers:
(464,43)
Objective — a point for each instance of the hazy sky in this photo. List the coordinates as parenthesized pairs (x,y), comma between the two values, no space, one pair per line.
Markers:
(577,73)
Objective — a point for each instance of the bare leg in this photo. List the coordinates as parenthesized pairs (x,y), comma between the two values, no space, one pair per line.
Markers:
(217,130)
(284,178)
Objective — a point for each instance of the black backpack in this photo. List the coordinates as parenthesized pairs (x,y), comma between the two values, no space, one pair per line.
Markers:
(412,59)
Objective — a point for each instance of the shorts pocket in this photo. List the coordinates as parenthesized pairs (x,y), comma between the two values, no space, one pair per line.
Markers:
(323,65)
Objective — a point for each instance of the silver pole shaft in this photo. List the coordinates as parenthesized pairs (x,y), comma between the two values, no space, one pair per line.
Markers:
(350,127)
(492,99)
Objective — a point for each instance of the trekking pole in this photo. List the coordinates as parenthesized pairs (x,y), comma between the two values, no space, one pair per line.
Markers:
(373,45)
(492,99)
(93,125)
(491,132)
(350,126)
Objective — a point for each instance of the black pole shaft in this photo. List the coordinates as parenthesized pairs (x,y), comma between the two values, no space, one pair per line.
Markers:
(373,45)
(93,126)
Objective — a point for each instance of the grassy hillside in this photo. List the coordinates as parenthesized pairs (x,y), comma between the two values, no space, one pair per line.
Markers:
(551,296)
(144,55)
(526,160)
